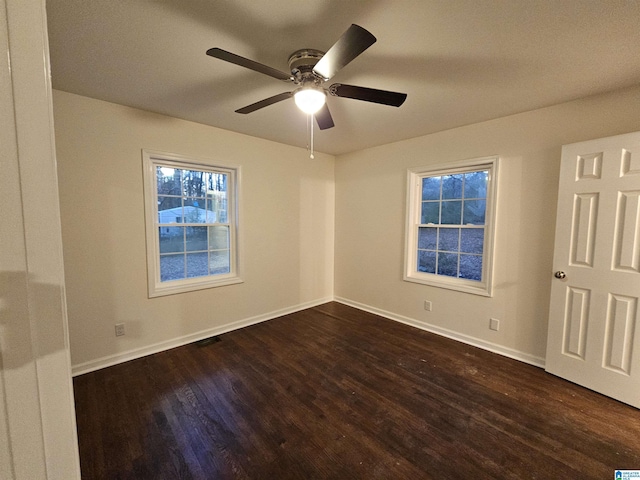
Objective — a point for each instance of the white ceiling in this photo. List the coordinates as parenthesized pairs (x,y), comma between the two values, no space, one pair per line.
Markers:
(459,61)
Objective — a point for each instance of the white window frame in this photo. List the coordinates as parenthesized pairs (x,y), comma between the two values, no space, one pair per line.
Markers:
(414,202)
(156,287)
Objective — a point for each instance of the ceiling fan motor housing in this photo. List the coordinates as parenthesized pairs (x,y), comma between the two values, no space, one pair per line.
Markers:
(302,62)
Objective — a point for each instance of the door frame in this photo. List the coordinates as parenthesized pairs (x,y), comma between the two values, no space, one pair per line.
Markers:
(38,437)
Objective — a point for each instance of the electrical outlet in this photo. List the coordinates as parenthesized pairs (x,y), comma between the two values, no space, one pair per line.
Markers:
(494,324)
(427,305)
(119,329)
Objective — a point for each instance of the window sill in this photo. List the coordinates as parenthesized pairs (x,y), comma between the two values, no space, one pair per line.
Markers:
(460,285)
(183,286)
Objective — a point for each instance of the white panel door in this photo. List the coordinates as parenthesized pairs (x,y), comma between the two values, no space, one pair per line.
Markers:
(594,336)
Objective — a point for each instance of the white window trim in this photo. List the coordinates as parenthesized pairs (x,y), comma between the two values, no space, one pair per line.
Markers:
(414,189)
(156,288)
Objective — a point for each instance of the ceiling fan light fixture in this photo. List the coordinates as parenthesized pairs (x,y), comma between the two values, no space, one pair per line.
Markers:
(309,99)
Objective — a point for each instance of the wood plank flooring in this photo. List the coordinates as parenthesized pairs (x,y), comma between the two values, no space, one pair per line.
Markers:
(336,393)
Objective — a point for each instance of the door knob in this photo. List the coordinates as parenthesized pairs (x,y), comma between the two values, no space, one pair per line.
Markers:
(560,274)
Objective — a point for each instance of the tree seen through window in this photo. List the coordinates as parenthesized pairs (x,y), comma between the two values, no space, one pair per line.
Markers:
(452,225)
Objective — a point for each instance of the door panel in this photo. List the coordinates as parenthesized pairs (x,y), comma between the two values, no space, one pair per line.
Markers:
(593,336)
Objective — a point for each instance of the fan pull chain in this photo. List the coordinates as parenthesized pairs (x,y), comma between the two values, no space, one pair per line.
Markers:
(310,119)
(311,128)
(308,134)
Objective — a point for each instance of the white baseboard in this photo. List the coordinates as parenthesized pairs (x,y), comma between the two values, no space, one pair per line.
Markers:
(122,357)
(476,342)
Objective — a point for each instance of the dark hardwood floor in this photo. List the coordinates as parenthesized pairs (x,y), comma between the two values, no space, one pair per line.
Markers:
(336,393)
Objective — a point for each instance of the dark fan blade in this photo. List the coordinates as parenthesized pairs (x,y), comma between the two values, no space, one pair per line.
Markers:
(250,64)
(384,97)
(265,103)
(351,44)
(323,117)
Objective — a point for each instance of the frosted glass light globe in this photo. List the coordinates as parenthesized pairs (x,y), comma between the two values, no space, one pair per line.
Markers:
(309,100)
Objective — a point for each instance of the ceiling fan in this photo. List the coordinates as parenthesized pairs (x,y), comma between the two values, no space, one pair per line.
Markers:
(310,69)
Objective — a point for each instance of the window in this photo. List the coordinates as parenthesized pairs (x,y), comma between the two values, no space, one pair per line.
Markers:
(450,223)
(191,211)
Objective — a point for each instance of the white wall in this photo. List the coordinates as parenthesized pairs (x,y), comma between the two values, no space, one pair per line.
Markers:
(289,225)
(287,222)
(370,216)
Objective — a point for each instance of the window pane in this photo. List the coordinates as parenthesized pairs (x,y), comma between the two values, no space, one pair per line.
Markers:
(196,238)
(475,184)
(431,188)
(474,212)
(430,212)
(471,267)
(219,262)
(452,186)
(194,211)
(218,182)
(448,239)
(217,203)
(451,212)
(171,267)
(212,210)
(169,209)
(223,213)
(426,261)
(427,238)
(171,239)
(197,265)
(168,181)
(448,264)
(218,238)
(472,240)
(194,183)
